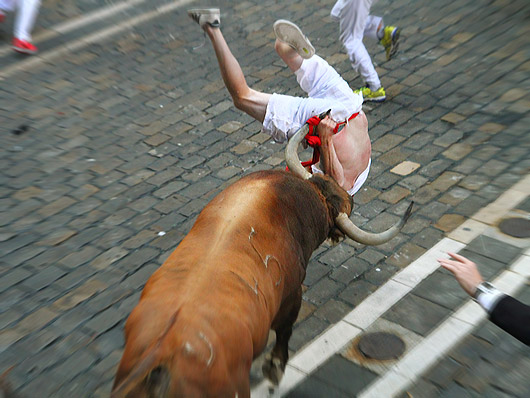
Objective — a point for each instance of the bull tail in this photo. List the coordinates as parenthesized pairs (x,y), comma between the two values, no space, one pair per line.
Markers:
(149,370)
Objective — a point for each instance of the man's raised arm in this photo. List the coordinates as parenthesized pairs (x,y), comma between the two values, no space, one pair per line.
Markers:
(328,158)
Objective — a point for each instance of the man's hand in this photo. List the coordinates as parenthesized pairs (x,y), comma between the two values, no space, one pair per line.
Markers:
(464,270)
(325,128)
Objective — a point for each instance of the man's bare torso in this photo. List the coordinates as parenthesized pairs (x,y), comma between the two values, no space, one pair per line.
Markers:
(353,148)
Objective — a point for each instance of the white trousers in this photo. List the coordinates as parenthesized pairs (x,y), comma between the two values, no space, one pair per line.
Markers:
(326,90)
(355,23)
(26,13)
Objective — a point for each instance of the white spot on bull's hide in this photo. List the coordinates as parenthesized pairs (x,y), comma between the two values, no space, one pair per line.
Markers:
(265,260)
(209,361)
(188,348)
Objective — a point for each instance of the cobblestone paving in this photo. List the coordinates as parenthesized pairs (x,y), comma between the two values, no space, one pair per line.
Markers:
(124,139)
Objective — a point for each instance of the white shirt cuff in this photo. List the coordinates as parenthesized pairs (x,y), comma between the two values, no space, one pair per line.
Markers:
(487,300)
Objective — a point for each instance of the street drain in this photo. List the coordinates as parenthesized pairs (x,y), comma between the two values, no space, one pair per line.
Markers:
(516,227)
(381,346)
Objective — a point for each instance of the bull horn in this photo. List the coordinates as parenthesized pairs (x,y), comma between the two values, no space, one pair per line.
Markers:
(342,221)
(291,153)
(366,238)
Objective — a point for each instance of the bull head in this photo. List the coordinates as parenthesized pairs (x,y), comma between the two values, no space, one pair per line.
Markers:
(342,221)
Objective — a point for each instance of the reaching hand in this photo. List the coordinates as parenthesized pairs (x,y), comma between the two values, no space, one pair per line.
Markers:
(464,270)
(325,127)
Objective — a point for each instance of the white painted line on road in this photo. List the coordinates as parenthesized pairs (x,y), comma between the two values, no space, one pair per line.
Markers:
(437,344)
(49,56)
(79,22)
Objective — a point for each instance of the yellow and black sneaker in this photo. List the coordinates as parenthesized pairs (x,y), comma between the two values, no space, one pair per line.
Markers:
(373,96)
(390,40)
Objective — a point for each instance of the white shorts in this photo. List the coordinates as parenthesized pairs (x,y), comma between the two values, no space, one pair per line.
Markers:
(358,182)
(326,89)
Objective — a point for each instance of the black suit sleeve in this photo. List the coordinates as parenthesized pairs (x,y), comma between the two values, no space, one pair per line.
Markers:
(513,317)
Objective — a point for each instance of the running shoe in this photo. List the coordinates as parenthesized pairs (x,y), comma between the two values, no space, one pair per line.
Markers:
(203,16)
(291,34)
(23,47)
(390,40)
(373,96)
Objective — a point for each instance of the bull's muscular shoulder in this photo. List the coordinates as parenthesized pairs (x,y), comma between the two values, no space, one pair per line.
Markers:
(284,186)
(278,191)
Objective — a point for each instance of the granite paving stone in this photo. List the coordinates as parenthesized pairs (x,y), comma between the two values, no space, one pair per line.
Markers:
(421,388)
(441,289)
(494,249)
(104,321)
(306,331)
(427,237)
(14,277)
(417,314)
(337,255)
(44,278)
(350,270)
(323,290)
(357,291)
(333,311)
(313,388)
(344,375)
(445,372)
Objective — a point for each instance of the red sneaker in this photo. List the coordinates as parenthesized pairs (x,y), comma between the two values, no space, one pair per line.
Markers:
(23,46)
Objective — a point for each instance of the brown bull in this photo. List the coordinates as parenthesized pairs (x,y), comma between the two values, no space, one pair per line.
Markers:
(205,314)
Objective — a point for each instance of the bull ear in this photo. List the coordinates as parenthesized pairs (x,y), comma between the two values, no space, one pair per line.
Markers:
(291,153)
(367,238)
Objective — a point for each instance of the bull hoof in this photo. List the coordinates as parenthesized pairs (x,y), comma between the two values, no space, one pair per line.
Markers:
(273,369)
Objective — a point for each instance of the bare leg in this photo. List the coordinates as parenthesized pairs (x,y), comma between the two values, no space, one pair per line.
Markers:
(289,55)
(250,101)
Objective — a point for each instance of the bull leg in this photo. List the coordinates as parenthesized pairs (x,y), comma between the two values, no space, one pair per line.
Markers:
(275,362)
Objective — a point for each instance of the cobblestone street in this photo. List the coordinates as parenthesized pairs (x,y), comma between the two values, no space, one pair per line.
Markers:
(120,131)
